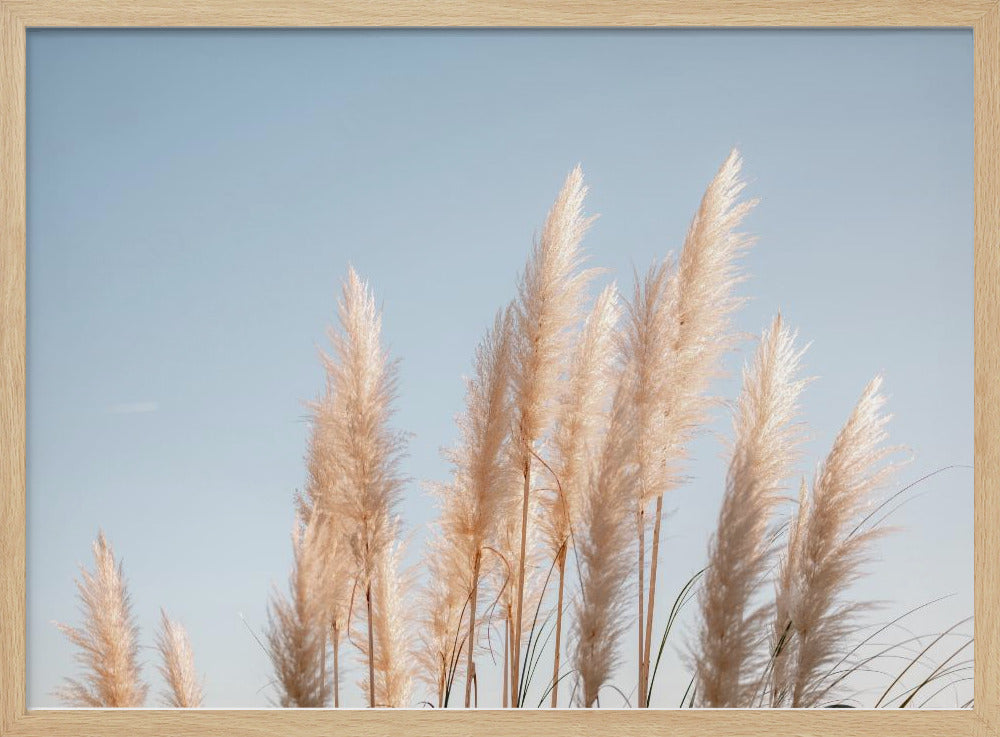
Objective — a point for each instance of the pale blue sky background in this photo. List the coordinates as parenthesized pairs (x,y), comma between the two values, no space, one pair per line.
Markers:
(194,198)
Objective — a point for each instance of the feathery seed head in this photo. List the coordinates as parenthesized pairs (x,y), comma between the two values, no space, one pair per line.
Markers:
(393,650)
(108,641)
(606,552)
(826,554)
(763,453)
(177,667)
(581,410)
(679,325)
(550,298)
(363,450)
(297,624)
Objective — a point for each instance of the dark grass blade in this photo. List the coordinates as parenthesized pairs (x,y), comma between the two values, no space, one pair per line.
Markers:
(531,633)
(913,662)
(933,675)
(687,691)
(679,602)
(553,685)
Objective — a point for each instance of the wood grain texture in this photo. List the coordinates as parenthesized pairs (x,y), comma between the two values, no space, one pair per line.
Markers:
(519,13)
(12,336)
(987,365)
(16,15)
(510,723)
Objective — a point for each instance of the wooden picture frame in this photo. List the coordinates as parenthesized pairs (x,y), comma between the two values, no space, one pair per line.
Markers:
(16,16)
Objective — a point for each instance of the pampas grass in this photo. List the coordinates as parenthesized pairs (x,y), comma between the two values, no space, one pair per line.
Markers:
(364,452)
(296,636)
(443,604)
(678,329)
(580,415)
(606,549)
(346,537)
(473,504)
(391,659)
(764,451)
(322,502)
(519,592)
(824,555)
(108,640)
(550,299)
(177,665)
(573,429)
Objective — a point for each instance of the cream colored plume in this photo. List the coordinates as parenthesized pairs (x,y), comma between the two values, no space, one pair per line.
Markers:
(177,665)
(606,551)
(679,326)
(108,640)
(324,502)
(393,656)
(364,451)
(472,505)
(550,301)
(364,454)
(825,554)
(581,413)
(296,633)
(728,653)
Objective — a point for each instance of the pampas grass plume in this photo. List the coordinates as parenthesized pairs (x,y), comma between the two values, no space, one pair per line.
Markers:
(550,299)
(763,453)
(392,657)
(108,640)
(296,634)
(825,554)
(678,328)
(365,452)
(177,665)
(606,552)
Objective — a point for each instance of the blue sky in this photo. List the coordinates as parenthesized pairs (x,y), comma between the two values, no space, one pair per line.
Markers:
(194,198)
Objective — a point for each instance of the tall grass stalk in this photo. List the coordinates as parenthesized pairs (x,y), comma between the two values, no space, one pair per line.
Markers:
(472,505)
(823,556)
(605,548)
(322,502)
(678,329)
(108,640)
(764,451)
(442,623)
(365,453)
(550,299)
(504,578)
(687,592)
(581,412)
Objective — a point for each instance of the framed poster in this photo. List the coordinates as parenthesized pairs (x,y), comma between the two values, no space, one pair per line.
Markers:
(326,389)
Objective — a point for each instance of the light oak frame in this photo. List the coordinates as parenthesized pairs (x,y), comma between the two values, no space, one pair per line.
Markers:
(16,16)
